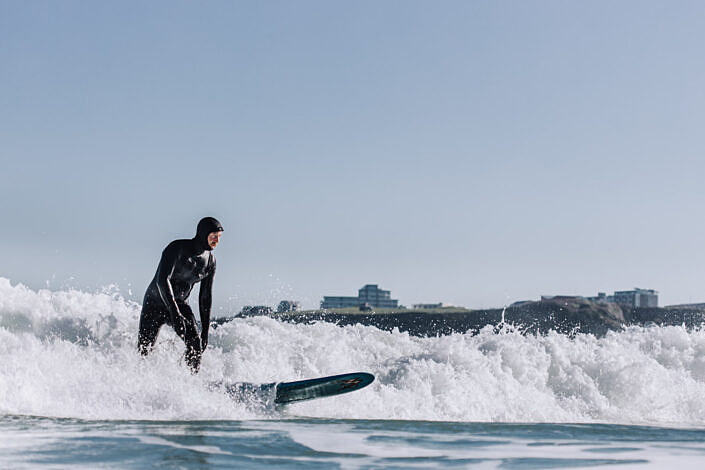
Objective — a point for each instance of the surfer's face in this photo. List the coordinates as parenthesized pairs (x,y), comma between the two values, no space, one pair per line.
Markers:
(214,239)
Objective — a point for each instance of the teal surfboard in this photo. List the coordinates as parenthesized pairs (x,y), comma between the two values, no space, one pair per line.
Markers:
(300,390)
(289,392)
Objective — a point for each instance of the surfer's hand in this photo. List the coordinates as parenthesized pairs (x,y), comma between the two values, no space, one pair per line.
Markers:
(204,342)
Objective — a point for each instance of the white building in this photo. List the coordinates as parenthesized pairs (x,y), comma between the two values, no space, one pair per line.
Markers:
(625,298)
(637,298)
(370,294)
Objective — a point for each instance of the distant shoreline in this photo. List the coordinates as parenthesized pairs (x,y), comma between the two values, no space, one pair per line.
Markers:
(568,316)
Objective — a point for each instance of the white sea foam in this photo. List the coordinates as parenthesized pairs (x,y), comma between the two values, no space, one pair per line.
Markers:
(73,354)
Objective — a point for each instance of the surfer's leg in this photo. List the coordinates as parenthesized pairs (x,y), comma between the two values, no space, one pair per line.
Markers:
(151,319)
(192,338)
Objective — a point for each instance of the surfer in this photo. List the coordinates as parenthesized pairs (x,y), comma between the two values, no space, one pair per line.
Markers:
(183,264)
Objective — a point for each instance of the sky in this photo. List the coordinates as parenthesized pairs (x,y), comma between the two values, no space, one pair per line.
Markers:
(474,153)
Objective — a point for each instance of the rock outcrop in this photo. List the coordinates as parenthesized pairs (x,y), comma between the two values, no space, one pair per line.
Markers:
(568,315)
(565,315)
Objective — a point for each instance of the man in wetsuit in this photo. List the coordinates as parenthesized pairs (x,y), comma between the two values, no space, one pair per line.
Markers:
(183,264)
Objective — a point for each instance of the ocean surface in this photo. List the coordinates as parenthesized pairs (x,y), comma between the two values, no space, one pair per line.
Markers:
(75,394)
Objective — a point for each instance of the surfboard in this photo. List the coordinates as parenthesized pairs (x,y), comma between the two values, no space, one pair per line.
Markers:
(300,390)
(289,392)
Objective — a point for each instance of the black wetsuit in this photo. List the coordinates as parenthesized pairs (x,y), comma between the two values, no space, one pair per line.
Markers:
(183,264)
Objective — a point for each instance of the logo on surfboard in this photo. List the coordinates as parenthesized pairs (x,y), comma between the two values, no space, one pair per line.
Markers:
(350,383)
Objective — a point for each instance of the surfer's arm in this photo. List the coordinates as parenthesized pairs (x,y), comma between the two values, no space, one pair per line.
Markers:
(166,290)
(205,299)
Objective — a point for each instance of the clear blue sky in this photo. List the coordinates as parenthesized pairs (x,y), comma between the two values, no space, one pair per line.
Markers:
(475,153)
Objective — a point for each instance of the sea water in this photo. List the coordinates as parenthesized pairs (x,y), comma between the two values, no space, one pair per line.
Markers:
(74,393)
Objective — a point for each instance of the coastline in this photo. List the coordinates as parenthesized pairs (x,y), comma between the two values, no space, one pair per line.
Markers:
(563,315)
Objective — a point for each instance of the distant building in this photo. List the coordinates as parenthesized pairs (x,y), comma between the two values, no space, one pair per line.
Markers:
(561,297)
(248,310)
(626,298)
(427,306)
(340,302)
(602,298)
(288,306)
(369,294)
(637,298)
(377,297)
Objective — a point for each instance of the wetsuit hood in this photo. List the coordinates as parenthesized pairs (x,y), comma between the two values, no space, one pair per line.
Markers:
(206,226)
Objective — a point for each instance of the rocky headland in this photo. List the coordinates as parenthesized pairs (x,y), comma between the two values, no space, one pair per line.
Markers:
(568,315)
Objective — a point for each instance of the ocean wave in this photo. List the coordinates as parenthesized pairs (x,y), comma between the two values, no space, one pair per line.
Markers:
(73,354)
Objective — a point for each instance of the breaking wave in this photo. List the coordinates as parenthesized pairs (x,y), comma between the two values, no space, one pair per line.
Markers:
(73,354)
